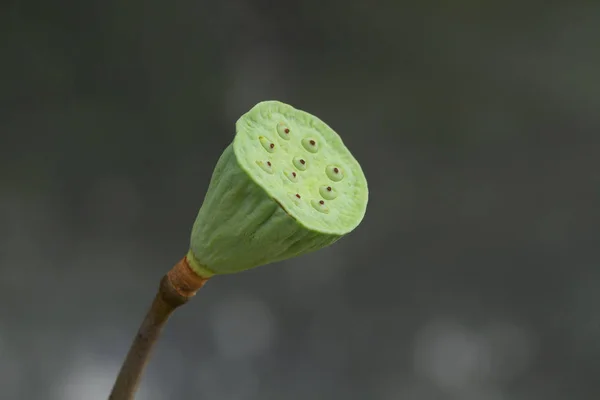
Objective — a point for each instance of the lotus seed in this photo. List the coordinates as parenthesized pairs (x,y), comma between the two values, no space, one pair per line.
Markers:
(320,206)
(266,144)
(327,192)
(310,145)
(291,176)
(334,173)
(299,163)
(265,166)
(283,131)
(295,199)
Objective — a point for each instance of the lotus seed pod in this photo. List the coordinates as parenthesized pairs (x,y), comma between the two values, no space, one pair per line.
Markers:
(284,187)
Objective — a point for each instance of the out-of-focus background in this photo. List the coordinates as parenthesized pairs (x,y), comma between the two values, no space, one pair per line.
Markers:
(474,275)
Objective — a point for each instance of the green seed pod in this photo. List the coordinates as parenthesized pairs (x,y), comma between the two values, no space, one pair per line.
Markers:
(284,187)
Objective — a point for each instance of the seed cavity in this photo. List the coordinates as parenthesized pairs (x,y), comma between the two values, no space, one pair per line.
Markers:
(327,192)
(310,145)
(334,173)
(283,131)
(292,176)
(320,206)
(267,144)
(299,163)
(266,166)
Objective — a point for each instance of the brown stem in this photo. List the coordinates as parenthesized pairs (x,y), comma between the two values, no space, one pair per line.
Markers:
(176,288)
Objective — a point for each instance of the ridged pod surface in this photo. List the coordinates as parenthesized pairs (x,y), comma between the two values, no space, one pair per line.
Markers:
(286,186)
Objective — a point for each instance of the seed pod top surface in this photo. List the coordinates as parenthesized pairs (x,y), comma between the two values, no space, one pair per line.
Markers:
(303,165)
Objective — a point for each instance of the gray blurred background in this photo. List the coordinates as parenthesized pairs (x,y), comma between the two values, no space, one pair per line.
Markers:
(474,275)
